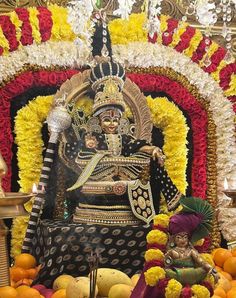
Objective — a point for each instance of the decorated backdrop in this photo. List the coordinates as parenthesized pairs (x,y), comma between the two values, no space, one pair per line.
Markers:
(189,84)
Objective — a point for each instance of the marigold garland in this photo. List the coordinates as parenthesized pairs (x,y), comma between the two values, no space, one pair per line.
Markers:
(161,220)
(156,236)
(153,275)
(153,254)
(28,125)
(173,289)
(200,291)
(34,21)
(170,119)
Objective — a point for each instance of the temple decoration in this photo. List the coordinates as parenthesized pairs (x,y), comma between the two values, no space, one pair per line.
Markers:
(197,90)
(173,266)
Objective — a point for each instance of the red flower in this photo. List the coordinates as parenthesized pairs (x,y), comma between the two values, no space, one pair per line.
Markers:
(45,23)
(186,292)
(26,29)
(9,31)
(153,263)
(185,39)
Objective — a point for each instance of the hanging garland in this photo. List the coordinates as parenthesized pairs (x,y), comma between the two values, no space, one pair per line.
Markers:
(22,84)
(167,117)
(28,125)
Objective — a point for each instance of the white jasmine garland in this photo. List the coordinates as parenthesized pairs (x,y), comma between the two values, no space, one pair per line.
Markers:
(125,8)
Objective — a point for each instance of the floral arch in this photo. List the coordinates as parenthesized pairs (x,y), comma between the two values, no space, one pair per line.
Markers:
(37,50)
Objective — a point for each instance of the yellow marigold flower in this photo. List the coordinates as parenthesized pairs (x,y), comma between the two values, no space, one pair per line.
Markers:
(17,22)
(178,33)
(208,258)
(86,104)
(125,31)
(154,254)
(28,125)
(173,289)
(167,116)
(4,42)
(162,220)
(61,29)
(34,22)
(157,237)
(194,43)
(200,292)
(232,86)
(153,275)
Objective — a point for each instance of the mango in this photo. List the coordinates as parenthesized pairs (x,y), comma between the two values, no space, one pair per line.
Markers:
(107,277)
(120,291)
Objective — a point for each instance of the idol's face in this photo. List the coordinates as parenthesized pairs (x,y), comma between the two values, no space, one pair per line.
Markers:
(109,121)
(181,240)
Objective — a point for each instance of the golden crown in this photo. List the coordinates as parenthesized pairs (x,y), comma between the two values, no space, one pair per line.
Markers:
(109,96)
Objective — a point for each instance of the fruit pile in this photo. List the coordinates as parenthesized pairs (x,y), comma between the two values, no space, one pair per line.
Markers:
(111,283)
(225,261)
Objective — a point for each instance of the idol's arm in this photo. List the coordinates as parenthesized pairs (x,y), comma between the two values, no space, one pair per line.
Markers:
(155,152)
(198,260)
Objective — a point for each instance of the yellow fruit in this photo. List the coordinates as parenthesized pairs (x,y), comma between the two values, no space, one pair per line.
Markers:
(233,283)
(18,273)
(224,283)
(29,293)
(62,281)
(221,255)
(231,293)
(22,288)
(226,275)
(79,288)
(8,292)
(120,291)
(25,261)
(107,277)
(59,294)
(135,279)
(230,266)
(220,292)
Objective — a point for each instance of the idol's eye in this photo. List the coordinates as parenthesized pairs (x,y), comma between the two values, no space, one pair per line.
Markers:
(106,120)
(116,120)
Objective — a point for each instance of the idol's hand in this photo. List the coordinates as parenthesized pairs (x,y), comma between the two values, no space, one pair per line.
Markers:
(158,155)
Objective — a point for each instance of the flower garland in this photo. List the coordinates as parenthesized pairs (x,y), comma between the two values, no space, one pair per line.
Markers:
(169,118)
(161,56)
(155,276)
(41,24)
(14,88)
(198,116)
(28,125)
(23,32)
(178,35)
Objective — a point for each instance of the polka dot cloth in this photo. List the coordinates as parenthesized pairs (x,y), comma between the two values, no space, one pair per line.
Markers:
(63,247)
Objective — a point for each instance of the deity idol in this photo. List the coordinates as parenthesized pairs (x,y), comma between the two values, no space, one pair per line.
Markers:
(114,164)
(182,260)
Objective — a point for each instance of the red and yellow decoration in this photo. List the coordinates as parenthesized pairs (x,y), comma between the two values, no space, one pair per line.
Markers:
(154,273)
